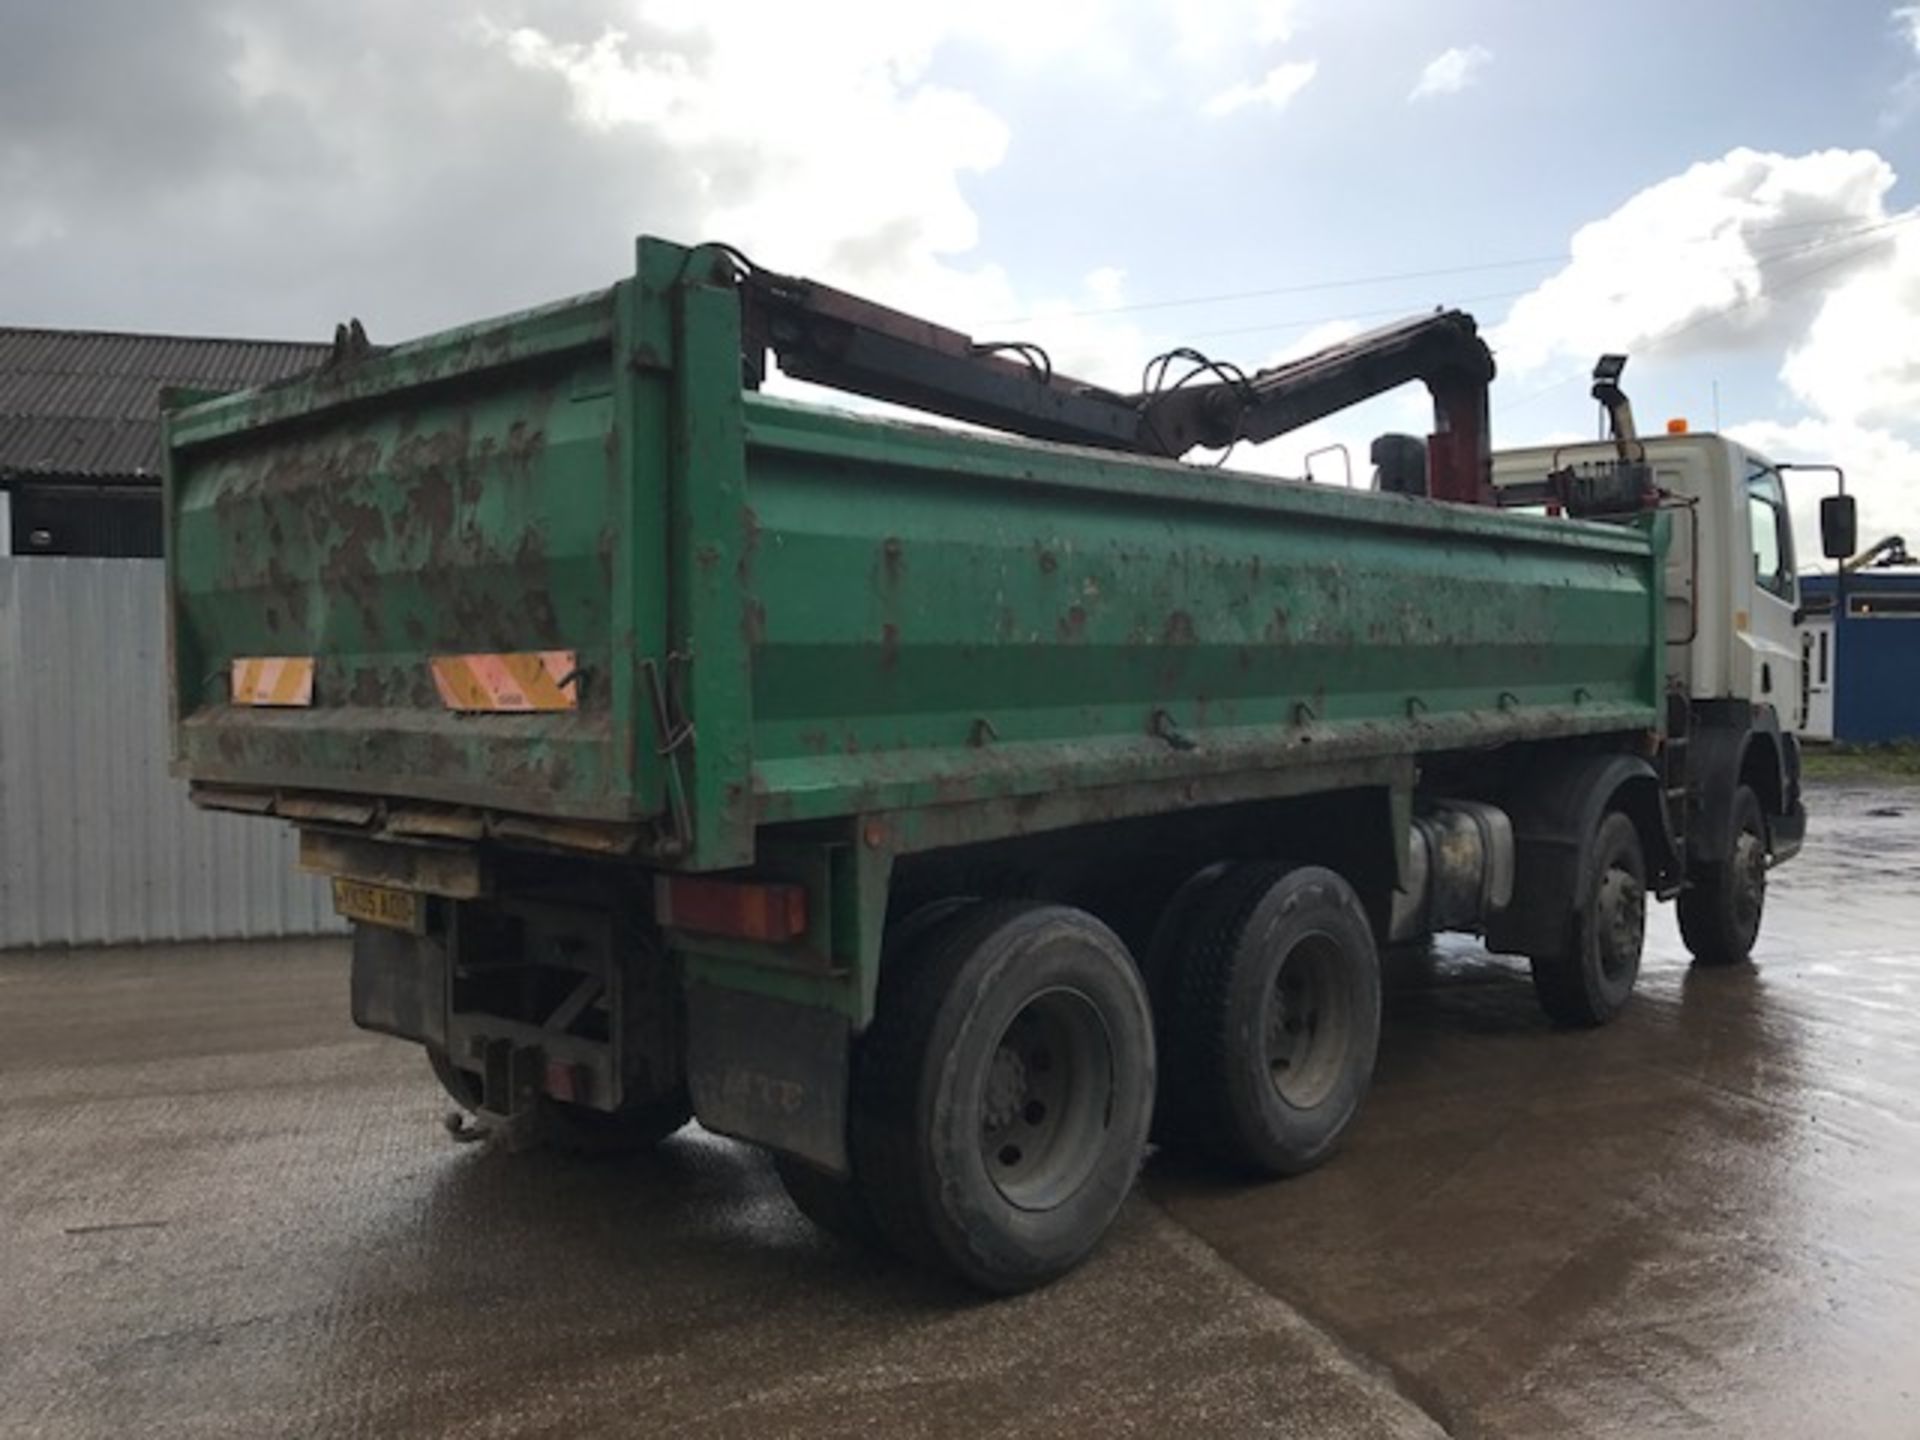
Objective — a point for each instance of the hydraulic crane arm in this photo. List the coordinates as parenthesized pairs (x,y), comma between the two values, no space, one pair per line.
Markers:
(833,338)
(1894,547)
(1443,349)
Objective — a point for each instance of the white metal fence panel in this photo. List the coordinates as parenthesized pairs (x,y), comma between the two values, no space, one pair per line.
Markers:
(98,844)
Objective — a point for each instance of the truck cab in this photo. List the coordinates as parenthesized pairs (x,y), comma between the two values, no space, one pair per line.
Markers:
(1734,660)
(1731,585)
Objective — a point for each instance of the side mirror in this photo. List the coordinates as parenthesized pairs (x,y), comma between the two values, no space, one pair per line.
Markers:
(1839,527)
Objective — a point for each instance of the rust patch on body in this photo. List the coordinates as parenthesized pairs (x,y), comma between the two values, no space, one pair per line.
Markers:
(749,544)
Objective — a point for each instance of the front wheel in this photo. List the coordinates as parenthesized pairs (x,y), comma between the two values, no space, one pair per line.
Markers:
(1002,1095)
(1720,908)
(1590,977)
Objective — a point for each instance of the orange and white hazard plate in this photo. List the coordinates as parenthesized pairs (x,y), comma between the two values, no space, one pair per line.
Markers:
(522,681)
(273,680)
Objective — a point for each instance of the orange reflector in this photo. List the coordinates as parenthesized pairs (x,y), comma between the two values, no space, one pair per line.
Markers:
(272,680)
(528,680)
(744,910)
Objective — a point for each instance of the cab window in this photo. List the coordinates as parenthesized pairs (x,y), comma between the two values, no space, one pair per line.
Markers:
(1772,534)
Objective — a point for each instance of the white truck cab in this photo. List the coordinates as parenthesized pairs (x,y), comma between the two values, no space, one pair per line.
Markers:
(1732,589)
(1735,698)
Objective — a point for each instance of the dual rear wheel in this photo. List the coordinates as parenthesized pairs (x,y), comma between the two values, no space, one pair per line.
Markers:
(1002,1097)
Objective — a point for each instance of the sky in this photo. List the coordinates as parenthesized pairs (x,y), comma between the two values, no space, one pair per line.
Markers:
(1725,190)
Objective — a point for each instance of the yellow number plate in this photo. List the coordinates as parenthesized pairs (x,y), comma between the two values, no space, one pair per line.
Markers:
(396,909)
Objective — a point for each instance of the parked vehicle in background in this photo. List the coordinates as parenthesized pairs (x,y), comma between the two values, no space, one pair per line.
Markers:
(943,810)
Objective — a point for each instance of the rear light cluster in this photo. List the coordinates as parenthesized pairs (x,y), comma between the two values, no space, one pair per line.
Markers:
(770,911)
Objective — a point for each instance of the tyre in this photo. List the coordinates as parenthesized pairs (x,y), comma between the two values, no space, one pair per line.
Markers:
(1002,1095)
(837,1204)
(1276,1021)
(639,1125)
(1590,977)
(1160,969)
(462,1086)
(1721,907)
(834,1203)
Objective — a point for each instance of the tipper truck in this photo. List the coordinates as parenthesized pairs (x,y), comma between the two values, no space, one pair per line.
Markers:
(950,811)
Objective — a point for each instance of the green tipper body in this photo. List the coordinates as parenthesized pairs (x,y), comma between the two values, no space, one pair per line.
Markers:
(784,614)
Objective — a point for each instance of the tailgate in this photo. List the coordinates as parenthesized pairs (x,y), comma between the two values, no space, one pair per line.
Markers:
(409,574)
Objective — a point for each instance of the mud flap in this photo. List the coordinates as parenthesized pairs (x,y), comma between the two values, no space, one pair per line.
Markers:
(1555,817)
(399,984)
(771,1072)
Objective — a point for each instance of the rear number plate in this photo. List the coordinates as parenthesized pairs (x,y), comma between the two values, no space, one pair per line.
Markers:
(377,905)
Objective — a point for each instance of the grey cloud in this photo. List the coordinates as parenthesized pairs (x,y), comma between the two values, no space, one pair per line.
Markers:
(407,171)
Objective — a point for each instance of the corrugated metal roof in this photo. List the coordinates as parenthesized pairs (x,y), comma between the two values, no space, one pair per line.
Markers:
(87,403)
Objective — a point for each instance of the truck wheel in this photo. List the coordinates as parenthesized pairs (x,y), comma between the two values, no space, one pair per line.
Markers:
(834,1203)
(462,1086)
(837,1204)
(576,1128)
(1161,970)
(1591,976)
(1277,1018)
(1002,1095)
(1720,908)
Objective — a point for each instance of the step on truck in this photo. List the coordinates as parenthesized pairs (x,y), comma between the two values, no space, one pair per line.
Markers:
(949,810)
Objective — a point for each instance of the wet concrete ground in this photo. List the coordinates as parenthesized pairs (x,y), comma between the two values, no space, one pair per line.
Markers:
(225,1212)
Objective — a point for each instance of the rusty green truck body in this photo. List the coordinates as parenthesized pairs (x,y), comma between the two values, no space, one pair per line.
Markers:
(840,619)
(815,649)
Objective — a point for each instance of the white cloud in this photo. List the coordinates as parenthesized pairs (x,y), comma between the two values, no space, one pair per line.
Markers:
(1794,261)
(1203,32)
(1734,253)
(1451,71)
(1107,286)
(1858,361)
(1883,473)
(1906,18)
(1275,90)
(325,157)
(1326,333)
(807,188)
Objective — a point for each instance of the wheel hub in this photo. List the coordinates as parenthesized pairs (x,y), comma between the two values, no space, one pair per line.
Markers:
(1293,1020)
(1622,906)
(1305,1030)
(1006,1089)
(1043,1103)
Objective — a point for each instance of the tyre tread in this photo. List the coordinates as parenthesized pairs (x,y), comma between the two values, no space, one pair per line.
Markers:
(886,1090)
(1705,906)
